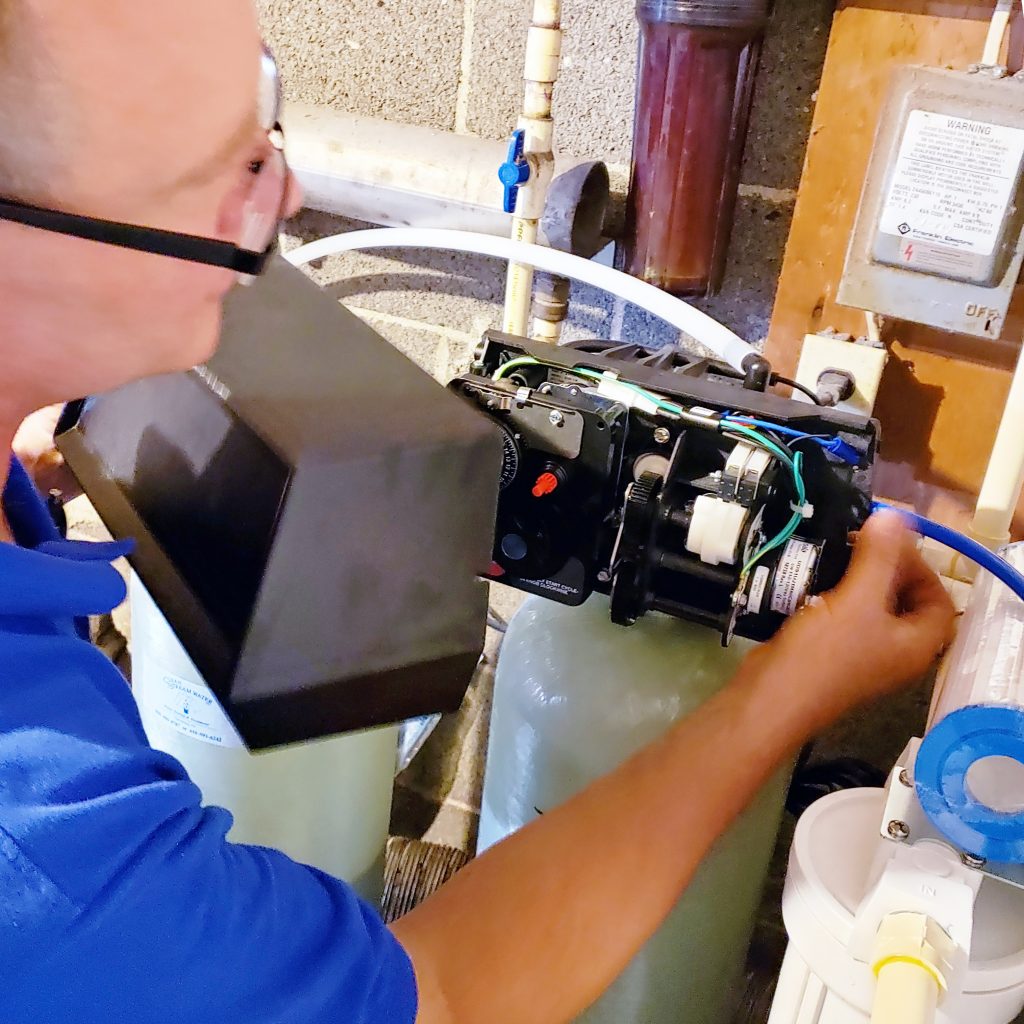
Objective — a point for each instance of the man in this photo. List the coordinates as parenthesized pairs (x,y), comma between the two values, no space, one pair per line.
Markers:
(122,900)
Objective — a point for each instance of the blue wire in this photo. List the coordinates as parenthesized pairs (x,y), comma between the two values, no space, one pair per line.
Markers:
(764,424)
(837,446)
(999,567)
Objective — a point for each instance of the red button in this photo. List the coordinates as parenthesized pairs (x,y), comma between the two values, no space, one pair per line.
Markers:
(496,570)
(546,483)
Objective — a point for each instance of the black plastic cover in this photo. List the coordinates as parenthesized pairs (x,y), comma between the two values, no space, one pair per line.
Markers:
(311,513)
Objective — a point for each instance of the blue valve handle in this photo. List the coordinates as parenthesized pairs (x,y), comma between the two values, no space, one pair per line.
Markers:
(515,171)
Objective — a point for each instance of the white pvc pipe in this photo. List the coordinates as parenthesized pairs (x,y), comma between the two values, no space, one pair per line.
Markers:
(399,175)
(728,346)
(907,994)
(540,73)
(997,32)
(519,286)
(1004,477)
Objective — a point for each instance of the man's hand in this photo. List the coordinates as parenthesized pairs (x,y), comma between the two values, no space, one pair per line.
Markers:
(883,626)
(33,445)
(489,946)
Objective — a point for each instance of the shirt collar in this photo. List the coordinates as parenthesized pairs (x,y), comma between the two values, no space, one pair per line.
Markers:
(42,574)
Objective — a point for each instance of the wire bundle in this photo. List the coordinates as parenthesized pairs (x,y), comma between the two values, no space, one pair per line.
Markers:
(737,428)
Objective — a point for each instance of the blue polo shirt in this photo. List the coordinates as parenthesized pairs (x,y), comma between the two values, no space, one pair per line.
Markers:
(120,898)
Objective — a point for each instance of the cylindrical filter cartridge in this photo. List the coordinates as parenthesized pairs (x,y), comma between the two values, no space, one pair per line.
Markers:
(695,79)
(970,768)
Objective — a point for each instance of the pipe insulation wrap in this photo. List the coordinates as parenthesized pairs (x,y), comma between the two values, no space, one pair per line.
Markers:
(729,347)
(970,767)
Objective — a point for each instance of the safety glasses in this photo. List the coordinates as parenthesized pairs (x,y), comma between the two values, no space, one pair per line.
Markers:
(263,213)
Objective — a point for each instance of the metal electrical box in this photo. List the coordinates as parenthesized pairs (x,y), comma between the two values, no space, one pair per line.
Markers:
(310,512)
(938,235)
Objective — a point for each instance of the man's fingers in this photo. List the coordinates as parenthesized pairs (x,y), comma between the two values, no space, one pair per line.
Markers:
(929,600)
(879,556)
(919,584)
(928,616)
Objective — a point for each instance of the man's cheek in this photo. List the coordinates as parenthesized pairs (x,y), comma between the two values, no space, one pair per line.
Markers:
(206,333)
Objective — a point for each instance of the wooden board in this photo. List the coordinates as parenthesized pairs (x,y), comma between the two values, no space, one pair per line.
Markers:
(942,395)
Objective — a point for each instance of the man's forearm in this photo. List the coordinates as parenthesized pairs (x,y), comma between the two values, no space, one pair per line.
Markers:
(540,925)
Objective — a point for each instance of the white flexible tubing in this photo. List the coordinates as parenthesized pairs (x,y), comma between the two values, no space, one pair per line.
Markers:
(729,347)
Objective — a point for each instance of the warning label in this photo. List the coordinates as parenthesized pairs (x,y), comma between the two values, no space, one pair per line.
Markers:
(192,709)
(951,189)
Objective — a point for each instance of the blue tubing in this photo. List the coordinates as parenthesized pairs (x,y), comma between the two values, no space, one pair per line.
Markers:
(989,560)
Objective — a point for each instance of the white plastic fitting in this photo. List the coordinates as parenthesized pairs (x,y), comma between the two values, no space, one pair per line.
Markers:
(912,960)
(612,388)
(716,529)
(543,53)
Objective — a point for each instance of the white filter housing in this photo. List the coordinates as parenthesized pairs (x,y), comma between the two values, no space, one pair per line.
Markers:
(325,803)
(833,867)
(970,767)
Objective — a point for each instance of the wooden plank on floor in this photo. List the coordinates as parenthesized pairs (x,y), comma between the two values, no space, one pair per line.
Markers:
(942,394)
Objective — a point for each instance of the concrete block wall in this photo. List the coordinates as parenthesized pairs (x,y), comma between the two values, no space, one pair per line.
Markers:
(457,65)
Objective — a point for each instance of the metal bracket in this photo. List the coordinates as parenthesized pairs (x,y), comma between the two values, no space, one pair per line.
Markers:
(904,820)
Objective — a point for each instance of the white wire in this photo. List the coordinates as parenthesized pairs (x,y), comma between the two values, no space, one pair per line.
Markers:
(686,318)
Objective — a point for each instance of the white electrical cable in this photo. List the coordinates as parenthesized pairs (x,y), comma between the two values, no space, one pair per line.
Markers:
(997,32)
(702,328)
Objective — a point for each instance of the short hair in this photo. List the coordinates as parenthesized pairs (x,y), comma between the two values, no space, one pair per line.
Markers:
(28,154)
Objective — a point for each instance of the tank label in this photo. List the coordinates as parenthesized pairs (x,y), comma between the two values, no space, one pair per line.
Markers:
(951,190)
(191,709)
(793,576)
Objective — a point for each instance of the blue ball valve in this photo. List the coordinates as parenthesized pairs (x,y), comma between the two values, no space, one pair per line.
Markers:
(515,171)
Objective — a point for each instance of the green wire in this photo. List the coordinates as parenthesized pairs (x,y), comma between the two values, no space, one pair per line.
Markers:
(643,392)
(788,530)
(795,466)
(582,371)
(504,369)
(751,435)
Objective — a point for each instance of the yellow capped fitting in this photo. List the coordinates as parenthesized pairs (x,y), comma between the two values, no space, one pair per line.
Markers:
(912,960)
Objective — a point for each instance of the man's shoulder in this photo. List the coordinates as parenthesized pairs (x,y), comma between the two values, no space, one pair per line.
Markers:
(51,679)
